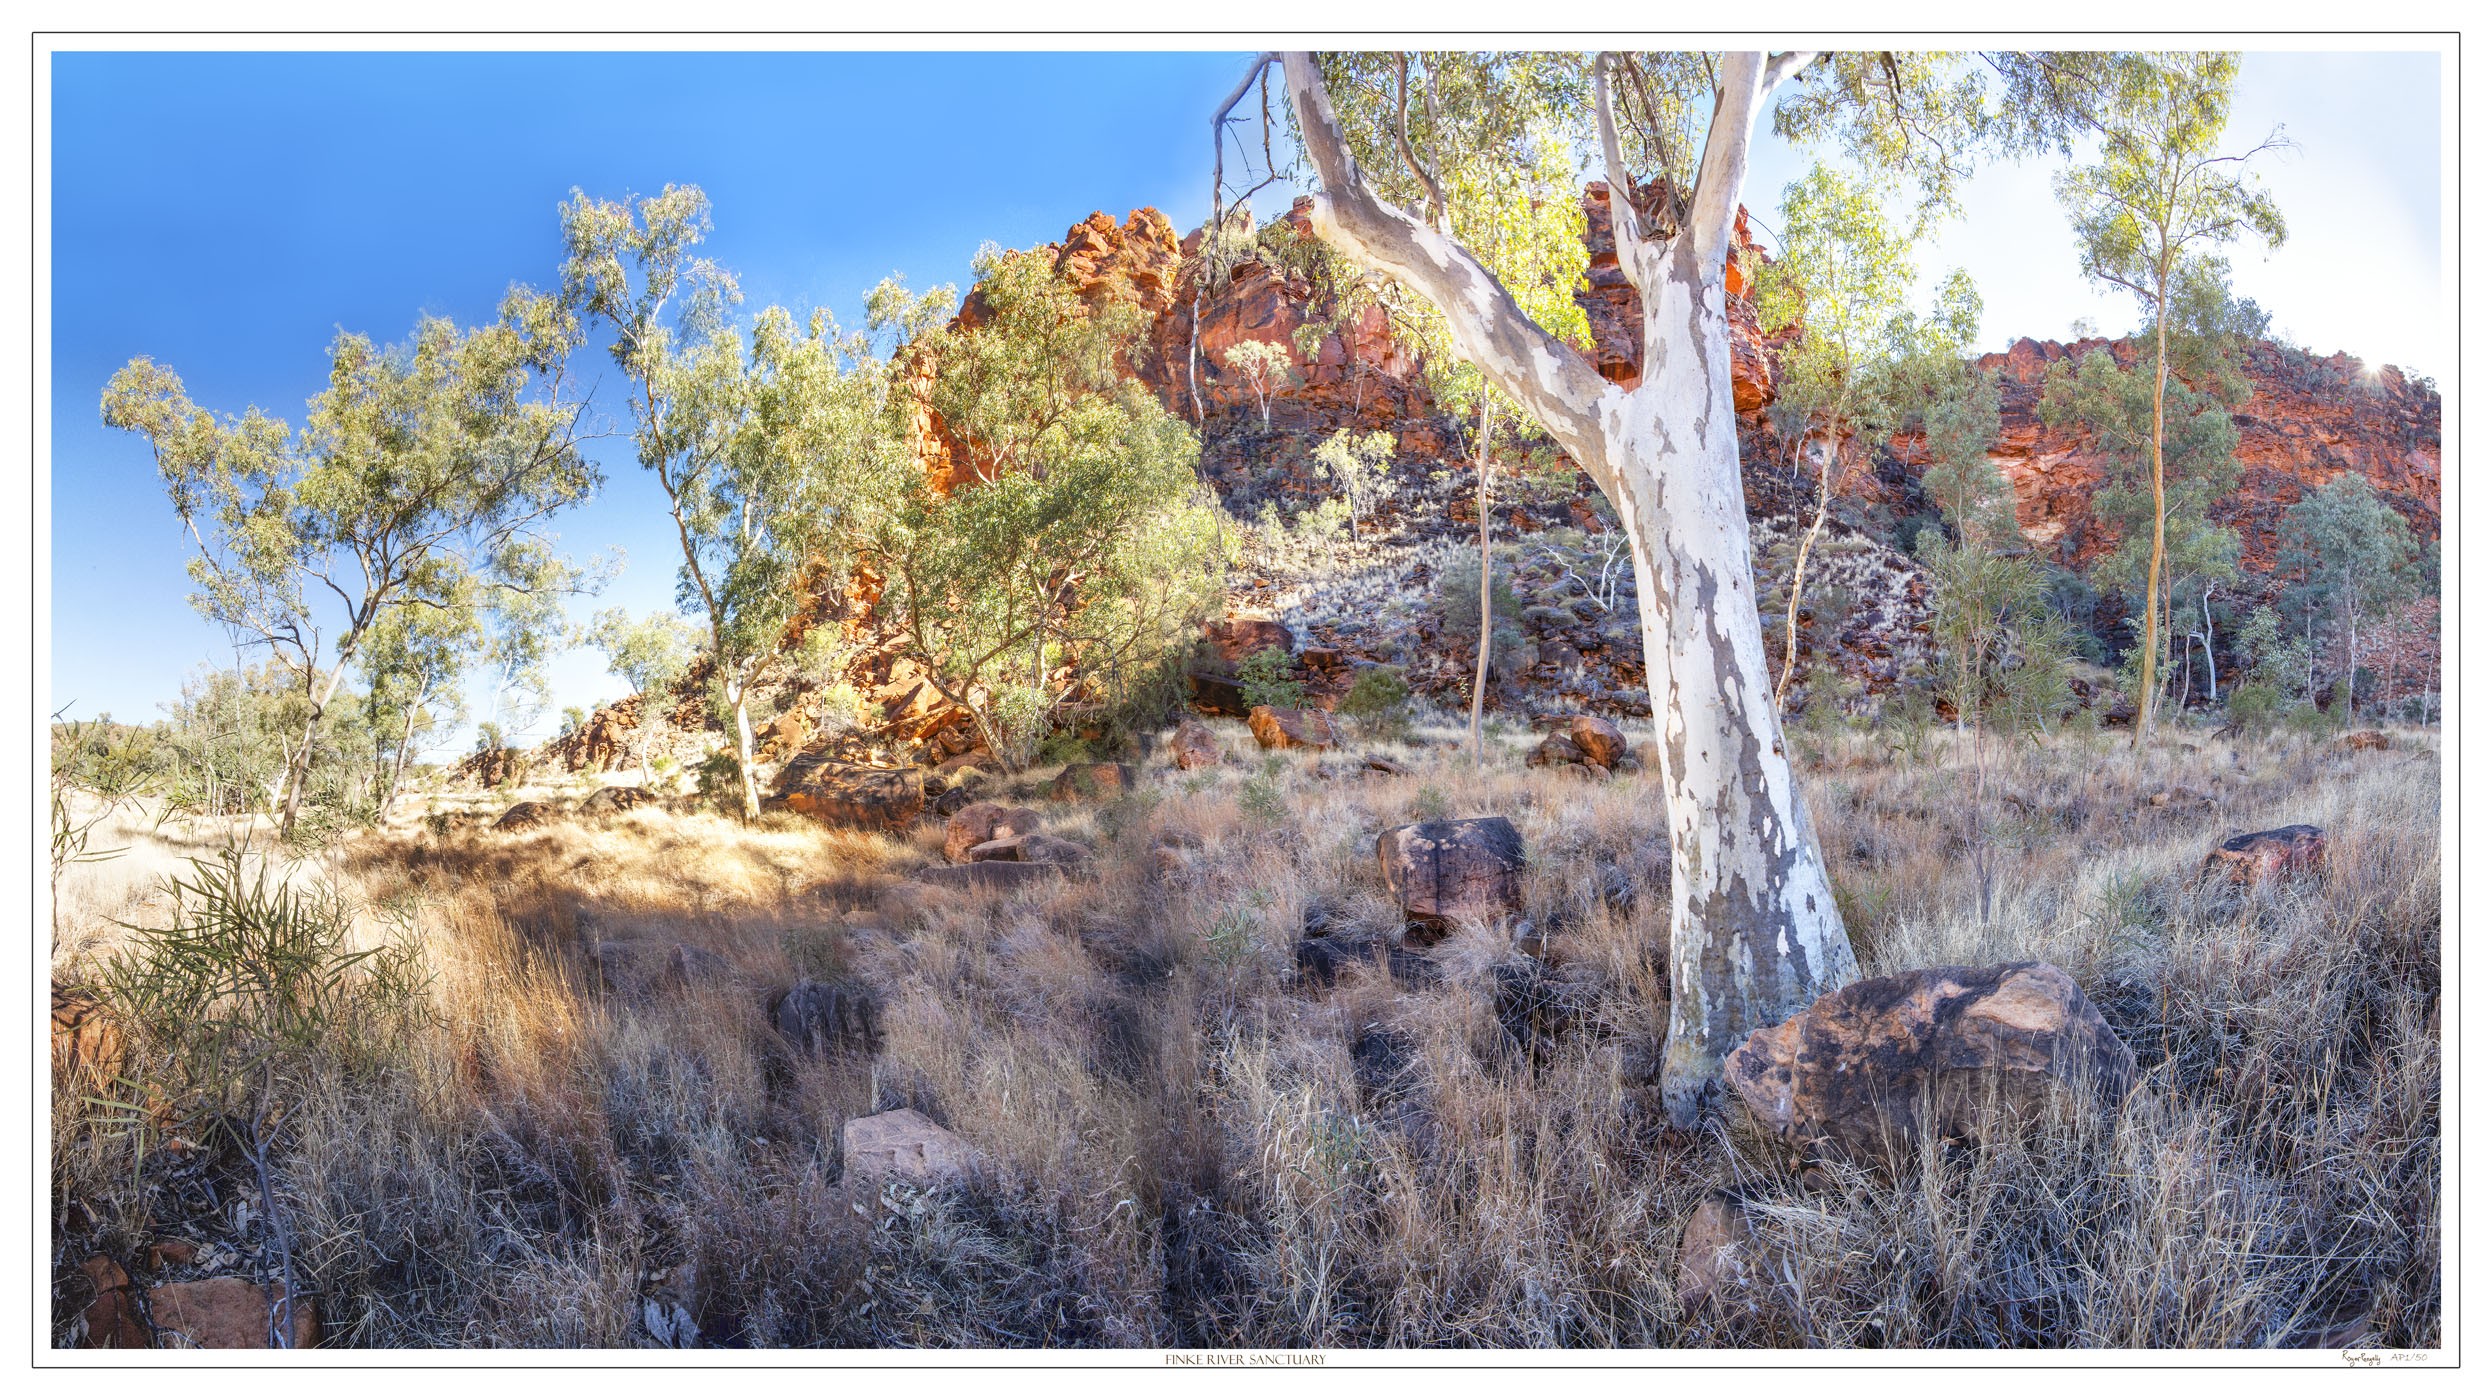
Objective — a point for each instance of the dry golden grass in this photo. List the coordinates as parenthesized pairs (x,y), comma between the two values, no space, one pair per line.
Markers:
(1183,1142)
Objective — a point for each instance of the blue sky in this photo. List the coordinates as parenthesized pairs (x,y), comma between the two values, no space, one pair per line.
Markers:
(228,213)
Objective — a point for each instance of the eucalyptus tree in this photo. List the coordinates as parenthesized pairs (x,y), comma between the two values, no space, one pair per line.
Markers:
(422,470)
(2356,555)
(1755,931)
(769,445)
(1071,555)
(413,665)
(651,654)
(2140,419)
(2148,211)
(1844,279)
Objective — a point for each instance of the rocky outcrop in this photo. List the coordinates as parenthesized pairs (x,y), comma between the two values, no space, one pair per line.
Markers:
(1871,1068)
(844,794)
(614,801)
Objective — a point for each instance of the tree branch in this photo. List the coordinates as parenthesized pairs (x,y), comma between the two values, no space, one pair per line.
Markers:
(1489,329)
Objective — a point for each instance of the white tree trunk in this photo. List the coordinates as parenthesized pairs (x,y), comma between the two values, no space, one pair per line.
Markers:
(1754,932)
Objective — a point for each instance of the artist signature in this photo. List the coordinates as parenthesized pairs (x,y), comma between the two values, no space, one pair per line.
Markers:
(2353,1357)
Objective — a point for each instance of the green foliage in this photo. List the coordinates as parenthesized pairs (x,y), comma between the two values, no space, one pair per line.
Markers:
(1078,561)
(651,654)
(1376,691)
(2355,558)
(2117,406)
(1265,366)
(2003,646)
(2276,678)
(1261,799)
(1264,679)
(772,446)
(420,479)
(1361,466)
(252,977)
(1458,606)
(2158,192)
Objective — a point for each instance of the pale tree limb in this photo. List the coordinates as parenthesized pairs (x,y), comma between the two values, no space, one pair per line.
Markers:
(1536,369)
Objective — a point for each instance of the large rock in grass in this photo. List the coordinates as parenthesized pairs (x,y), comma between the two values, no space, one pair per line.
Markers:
(822,1017)
(524,816)
(611,801)
(990,876)
(905,1144)
(229,1313)
(981,822)
(1038,846)
(2268,855)
(1217,694)
(1870,1068)
(1443,872)
(1194,746)
(846,794)
(1276,727)
(1598,740)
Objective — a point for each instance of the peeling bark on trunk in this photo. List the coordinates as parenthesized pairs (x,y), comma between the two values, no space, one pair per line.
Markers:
(1754,932)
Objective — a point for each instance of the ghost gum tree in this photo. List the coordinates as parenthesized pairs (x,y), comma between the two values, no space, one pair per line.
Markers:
(1755,933)
(765,442)
(2148,212)
(424,473)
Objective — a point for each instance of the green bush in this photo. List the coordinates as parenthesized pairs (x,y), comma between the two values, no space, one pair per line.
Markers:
(1265,680)
(1377,690)
(249,978)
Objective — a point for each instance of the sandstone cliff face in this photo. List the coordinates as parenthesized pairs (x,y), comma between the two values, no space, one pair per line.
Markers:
(2307,420)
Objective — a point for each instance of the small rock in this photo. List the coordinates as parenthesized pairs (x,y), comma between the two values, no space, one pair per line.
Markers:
(616,967)
(84,1036)
(524,816)
(1279,728)
(112,1319)
(825,1017)
(981,822)
(2362,740)
(974,761)
(1712,1252)
(2265,855)
(1869,1067)
(1080,780)
(1194,746)
(1374,763)
(687,965)
(228,1313)
(903,1143)
(1443,871)
(988,876)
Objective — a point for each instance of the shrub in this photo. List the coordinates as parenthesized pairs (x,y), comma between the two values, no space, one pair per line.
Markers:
(1265,680)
